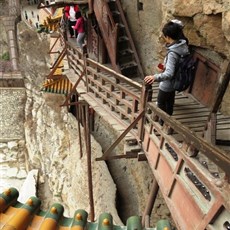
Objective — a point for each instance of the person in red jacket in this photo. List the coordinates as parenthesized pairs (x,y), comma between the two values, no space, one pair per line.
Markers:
(80,28)
(70,12)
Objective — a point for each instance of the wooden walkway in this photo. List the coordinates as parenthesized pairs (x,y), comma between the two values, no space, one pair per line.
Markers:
(121,101)
(192,114)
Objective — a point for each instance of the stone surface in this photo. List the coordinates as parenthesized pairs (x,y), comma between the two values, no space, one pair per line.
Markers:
(12,164)
(12,113)
(29,187)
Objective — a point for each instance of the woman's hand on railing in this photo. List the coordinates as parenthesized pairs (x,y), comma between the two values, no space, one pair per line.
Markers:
(149,79)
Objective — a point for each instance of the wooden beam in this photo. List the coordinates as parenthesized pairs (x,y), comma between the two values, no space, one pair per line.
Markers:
(132,125)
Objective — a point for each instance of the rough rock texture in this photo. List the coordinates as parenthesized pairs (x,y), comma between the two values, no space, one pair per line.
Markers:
(15,101)
(52,141)
(3,41)
(51,133)
(206,24)
(13,170)
(53,148)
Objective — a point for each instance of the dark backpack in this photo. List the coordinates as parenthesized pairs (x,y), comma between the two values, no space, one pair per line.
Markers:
(184,72)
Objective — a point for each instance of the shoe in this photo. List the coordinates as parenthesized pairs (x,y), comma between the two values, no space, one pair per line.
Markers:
(70,36)
(161,122)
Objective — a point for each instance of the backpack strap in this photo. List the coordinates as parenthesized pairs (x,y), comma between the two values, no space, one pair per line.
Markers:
(179,56)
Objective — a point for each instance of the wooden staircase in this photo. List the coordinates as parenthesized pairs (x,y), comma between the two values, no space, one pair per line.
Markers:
(125,57)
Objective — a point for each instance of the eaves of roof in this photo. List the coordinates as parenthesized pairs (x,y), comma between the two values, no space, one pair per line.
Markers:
(18,216)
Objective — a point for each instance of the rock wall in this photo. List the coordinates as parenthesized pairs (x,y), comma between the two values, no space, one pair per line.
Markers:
(206,25)
(52,140)
(53,147)
(3,40)
(12,113)
(13,169)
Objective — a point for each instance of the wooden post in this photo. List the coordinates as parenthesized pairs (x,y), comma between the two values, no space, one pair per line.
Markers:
(88,150)
(143,102)
(150,204)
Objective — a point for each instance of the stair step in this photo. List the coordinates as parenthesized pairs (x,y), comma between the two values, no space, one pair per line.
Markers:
(112,5)
(141,156)
(129,69)
(131,141)
(121,26)
(132,150)
(116,16)
(123,39)
(125,52)
(115,13)
(122,31)
(128,65)
(125,56)
(123,43)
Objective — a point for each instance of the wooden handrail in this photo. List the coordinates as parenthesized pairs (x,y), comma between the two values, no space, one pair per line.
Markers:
(100,71)
(216,155)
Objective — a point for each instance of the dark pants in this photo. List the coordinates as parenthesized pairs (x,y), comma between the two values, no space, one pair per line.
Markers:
(165,101)
(71,30)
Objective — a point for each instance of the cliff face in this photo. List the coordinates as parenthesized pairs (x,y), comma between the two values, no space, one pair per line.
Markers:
(206,25)
(52,140)
(51,133)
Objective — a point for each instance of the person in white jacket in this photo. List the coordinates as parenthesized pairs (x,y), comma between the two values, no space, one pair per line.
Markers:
(70,12)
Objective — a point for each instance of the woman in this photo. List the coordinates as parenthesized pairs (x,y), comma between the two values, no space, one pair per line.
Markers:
(80,28)
(70,12)
(174,45)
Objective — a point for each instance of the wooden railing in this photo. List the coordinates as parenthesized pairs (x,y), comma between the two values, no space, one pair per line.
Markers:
(125,99)
(197,195)
(179,173)
(118,93)
(60,56)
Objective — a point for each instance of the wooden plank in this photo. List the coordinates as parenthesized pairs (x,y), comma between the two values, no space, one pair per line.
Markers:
(191,115)
(194,119)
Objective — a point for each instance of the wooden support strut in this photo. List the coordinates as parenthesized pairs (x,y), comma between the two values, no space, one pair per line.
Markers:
(150,203)
(73,89)
(57,62)
(88,151)
(132,125)
(51,49)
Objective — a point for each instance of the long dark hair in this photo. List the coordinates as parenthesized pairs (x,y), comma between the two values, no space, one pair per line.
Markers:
(78,14)
(172,30)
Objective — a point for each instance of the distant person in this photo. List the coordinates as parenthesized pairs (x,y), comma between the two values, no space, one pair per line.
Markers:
(80,28)
(70,12)
(26,16)
(166,95)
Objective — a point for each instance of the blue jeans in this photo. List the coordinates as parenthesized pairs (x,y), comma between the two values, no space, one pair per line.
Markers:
(80,39)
